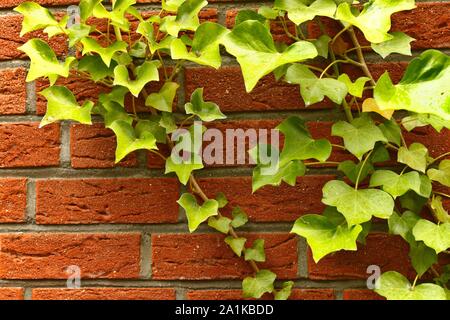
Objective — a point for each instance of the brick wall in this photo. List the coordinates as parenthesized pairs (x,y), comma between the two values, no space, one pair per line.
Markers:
(63,202)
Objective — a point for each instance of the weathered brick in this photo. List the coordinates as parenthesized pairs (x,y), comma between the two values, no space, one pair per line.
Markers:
(297,294)
(103,294)
(206,256)
(13,93)
(48,255)
(13,200)
(11,293)
(90,201)
(27,145)
(361,294)
(437,143)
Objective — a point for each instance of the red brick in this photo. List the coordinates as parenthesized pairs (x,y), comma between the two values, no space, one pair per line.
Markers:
(90,201)
(48,255)
(27,145)
(10,39)
(206,256)
(11,293)
(103,294)
(94,147)
(361,294)
(13,200)
(437,143)
(387,252)
(297,294)
(13,3)
(270,204)
(13,93)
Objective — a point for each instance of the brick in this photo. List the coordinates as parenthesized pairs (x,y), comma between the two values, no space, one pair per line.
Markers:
(103,294)
(437,143)
(94,147)
(48,255)
(89,201)
(13,3)
(11,293)
(206,256)
(387,252)
(297,294)
(27,145)
(270,204)
(13,93)
(361,294)
(10,39)
(13,200)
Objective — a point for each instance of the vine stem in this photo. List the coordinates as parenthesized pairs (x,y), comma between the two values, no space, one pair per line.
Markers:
(360,55)
(442,194)
(361,169)
(440,157)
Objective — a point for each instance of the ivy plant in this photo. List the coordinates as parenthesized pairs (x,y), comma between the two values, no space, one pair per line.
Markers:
(136,50)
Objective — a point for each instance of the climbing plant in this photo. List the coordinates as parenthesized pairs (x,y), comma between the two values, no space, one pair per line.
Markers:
(124,50)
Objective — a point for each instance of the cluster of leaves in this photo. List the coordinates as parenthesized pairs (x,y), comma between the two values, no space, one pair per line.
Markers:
(135,50)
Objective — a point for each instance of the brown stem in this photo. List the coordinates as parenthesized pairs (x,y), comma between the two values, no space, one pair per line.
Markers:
(360,55)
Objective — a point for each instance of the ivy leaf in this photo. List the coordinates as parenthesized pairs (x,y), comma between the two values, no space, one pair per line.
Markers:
(253,46)
(255,287)
(172,5)
(262,175)
(184,168)
(354,88)
(416,156)
(35,17)
(357,206)
(256,252)
(77,32)
(138,50)
(221,199)
(268,12)
(375,19)
(439,211)
(95,66)
(299,12)
(248,14)
(195,213)
(221,224)
(239,217)
(314,89)
(206,111)
(422,257)
(90,45)
(62,105)
(322,45)
(186,19)
(395,184)
(145,73)
(163,100)
(370,105)
(352,170)
(116,95)
(44,62)
(403,225)
(412,201)
(392,131)
(168,122)
(400,43)
(359,136)
(327,233)
(394,286)
(285,291)
(236,244)
(422,120)
(433,235)
(112,111)
(205,46)
(87,8)
(441,175)
(117,15)
(424,88)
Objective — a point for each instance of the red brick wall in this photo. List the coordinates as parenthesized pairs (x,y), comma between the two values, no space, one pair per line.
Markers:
(63,202)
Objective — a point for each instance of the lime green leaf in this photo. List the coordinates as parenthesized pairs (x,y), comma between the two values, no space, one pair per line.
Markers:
(354,88)
(255,287)
(52,31)
(252,45)
(236,244)
(395,184)
(163,100)
(184,168)
(287,173)
(322,45)
(195,213)
(391,131)
(352,170)
(206,111)
(62,105)
(393,286)
(221,199)
(400,43)
(424,88)
(90,45)
(117,15)
(87,8)
(130,139)
(77,32)
(416,156)
(168,122)
(433,235)
(439,211)
(35,17)
(138,50)
(172,5)
(256,252)
(245,15)
(145,73)
(95,67)
(239,217)
(441,175)
(268,13)
(299,12)
(221,224)
(375,19)
(403,225)
(423,120)
(285,291)
(112,111)
(186,19)
(412,201)
(44,62)
(147,29)
(116,95)
(359,136)
(422,257)
(314,89)
(357,206)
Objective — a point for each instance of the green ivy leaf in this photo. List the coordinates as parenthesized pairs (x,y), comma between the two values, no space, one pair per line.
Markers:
(117,15)
(168,122)
(255,287)
(422,257)
(206,111)
(145,73)
(116,95)
(400,43)
(433,235)
(236,244)
(394,286)
(163,100)
(184,169)
(423,120)
(253,46)
(35,17)
(62,105)
(239,217)
(87,8)
(186,19)
(221,200)
(90,45)
(256,252)
(288,173)
(172,5)
(221,224)
(359,136)
(95,67)
(416,156)
(248,14)
(403,225)
(285,291)
(357,206)
(195,213)
(395,184)
(441,175)
(268,12)
(439,211)
(352,170)
(327,233)
(314,89)
(391,131)
(375,19)
(354,88)
(299,12)
(412,201)
(322,45)
(77,32)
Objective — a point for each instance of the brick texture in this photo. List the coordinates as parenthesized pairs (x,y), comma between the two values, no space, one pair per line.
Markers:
(13,193)
(297,294)
(11,293)
(103,294)
(13,93)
